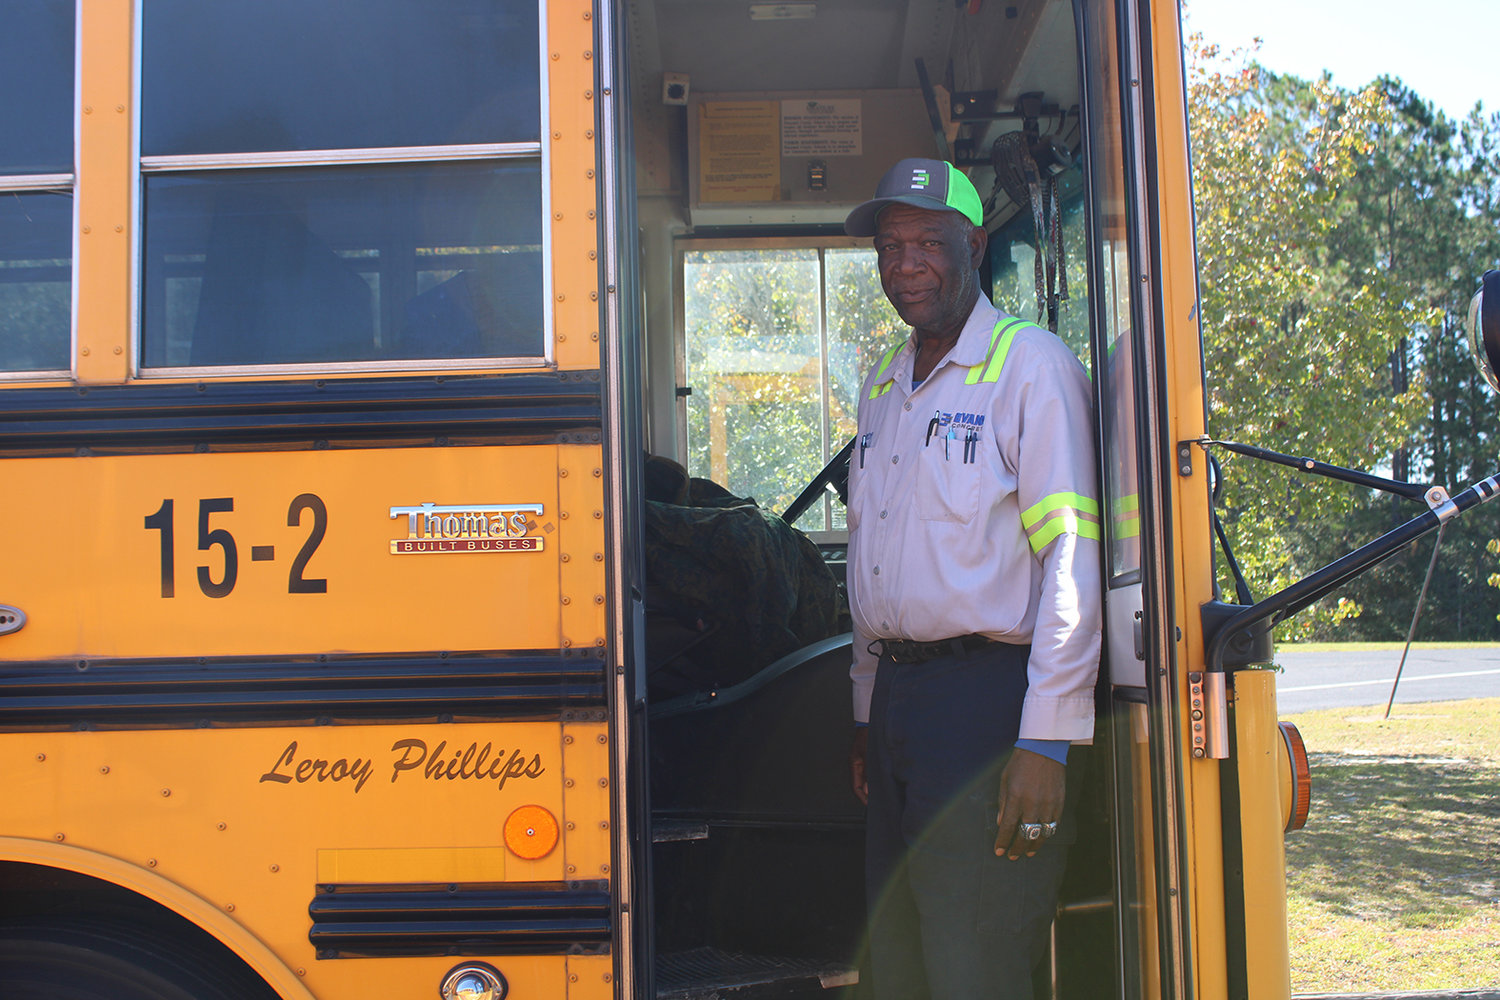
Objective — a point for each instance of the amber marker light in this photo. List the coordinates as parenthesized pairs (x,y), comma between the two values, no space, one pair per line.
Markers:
(1296,786)
(531,832)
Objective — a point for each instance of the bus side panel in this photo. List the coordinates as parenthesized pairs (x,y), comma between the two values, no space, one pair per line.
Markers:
(299,552)
(253,822)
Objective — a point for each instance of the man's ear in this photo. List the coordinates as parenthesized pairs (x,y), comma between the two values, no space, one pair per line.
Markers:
(978,241)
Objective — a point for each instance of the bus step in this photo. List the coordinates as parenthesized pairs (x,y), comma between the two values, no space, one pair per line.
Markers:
(671,832)
(709,974)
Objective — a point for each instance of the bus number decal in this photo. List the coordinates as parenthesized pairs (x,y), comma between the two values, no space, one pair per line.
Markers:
(211,538)
(296,583)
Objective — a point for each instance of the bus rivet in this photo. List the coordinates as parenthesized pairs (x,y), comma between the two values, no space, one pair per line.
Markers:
(119,109)
(41,756)
(119,350)
(598,556)
(568,738)
(58,837)
(85,351)
(150,862)
(598,598)
(104,769)
(567,782)
(87,230)
(166,793)
(228,907)
(567,600)
(223,827)
(603,738)
(588,133)
(275,869)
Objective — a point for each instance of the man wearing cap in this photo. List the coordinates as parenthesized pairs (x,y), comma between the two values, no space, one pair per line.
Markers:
(974,581)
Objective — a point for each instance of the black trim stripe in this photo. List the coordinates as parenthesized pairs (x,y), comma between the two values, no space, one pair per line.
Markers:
(223,412)
(524,918)
(207,691)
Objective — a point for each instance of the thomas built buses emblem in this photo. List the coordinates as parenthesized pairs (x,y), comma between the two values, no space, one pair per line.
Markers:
(504,527)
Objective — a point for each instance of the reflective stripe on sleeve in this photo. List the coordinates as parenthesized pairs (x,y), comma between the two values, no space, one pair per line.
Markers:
(1059,513)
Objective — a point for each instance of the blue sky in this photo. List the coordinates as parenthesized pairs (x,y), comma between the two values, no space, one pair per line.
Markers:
(1448,51)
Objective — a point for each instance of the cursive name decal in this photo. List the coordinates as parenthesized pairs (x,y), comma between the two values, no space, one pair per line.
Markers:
(410,757)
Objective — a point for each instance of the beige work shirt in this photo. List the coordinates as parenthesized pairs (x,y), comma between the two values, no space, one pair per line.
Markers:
(973,507)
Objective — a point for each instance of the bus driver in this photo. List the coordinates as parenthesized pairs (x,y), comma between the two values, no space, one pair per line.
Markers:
(974,581)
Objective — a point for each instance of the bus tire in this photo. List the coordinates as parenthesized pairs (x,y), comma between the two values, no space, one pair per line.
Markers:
(77,961)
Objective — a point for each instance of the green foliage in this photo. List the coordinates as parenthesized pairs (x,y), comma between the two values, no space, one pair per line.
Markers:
(1297,341)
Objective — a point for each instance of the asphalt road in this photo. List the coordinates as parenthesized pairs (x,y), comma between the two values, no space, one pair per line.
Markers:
(1312,680)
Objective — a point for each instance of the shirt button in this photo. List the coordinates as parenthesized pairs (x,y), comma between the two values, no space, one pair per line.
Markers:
(877,570)
(895,459)
(908,405)
(882,513)
(885,625)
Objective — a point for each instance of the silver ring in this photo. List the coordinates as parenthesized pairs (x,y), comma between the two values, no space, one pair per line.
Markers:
(1049,829)
(1033,831)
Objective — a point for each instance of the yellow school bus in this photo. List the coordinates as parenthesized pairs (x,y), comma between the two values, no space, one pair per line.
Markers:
(374,382)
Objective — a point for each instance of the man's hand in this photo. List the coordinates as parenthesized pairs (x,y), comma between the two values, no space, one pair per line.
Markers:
(857,764)
(1031,791)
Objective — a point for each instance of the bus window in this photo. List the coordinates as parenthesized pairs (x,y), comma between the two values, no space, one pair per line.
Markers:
(1013,259)
(380,209)
(36,181)
(779,336)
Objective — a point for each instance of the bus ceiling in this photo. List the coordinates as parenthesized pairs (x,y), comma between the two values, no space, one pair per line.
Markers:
(793,109)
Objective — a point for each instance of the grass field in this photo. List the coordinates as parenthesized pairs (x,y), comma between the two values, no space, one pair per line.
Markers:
(1395,882)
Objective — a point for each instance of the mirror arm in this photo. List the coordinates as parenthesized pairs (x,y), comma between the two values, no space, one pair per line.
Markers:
(1411,491)
(1318,584)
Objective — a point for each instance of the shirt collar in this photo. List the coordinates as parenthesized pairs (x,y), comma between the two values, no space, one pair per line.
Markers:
(972,347)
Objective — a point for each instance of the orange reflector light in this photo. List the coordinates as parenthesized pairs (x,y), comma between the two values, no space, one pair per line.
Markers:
(531,832)
(1301,778)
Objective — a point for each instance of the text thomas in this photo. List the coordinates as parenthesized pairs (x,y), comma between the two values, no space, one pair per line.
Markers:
(468,528)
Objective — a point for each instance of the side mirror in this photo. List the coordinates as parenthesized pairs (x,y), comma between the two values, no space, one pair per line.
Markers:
(1484,328)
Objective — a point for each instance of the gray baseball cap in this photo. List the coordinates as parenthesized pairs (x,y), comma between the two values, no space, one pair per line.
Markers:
(930,184)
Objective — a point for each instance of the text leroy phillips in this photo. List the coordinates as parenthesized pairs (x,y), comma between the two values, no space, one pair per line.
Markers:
(436,528)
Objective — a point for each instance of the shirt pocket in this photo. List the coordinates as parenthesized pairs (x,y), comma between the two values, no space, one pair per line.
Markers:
(947,487)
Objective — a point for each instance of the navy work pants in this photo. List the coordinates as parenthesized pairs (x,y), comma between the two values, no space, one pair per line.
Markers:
(948,919)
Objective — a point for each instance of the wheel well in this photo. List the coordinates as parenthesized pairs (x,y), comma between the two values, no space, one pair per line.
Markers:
(121,921)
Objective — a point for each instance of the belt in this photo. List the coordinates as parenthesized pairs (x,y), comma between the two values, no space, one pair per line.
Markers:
(911,651)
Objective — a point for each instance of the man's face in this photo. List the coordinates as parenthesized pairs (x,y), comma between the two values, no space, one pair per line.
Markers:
(927,261)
